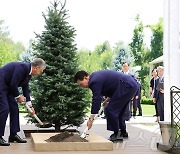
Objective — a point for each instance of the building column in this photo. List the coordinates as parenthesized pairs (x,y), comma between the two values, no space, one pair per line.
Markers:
(171,52)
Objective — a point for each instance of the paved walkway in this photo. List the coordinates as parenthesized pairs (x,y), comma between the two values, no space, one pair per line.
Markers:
(143,132)
(143,122)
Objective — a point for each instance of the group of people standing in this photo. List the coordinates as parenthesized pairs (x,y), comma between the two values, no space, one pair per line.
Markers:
(157,91)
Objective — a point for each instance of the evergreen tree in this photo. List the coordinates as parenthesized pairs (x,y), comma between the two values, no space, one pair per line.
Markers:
(28,55)
(57,98)
(122,54)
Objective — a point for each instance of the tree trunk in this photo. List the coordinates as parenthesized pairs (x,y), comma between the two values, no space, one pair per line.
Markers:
(57,127)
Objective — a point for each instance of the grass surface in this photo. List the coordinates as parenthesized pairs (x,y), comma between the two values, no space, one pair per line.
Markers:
(148,109)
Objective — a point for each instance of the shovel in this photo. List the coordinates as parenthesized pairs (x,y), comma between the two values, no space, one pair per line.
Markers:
(83,135)
(41,124)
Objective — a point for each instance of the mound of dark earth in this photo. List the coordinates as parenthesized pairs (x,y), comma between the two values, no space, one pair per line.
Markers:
(66,137)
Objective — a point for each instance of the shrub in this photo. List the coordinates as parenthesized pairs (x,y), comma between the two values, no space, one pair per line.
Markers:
(145,100)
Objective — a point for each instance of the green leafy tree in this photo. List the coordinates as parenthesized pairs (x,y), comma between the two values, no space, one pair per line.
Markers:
(57,98)
(105,46)
(106,60)
(156,40)
(88,61)
(9,50)
(140,53)
(4,33)
(137,45)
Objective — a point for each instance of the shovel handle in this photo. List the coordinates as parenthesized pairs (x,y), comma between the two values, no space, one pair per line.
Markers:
(83,135)
(34,115)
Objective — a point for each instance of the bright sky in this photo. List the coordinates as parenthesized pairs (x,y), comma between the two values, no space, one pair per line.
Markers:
(95,20)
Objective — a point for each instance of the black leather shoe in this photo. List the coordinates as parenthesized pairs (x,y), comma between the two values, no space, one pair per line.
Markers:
(3,142)
(17,139)
(113,137)
(139,115)
(123,134)
(119,137)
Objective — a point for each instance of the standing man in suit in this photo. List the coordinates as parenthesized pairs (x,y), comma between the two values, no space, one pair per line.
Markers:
(159,93)
(138,98)
(127,115)
(12,76)
(119,87)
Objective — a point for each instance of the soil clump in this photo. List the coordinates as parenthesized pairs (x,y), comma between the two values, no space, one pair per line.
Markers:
(66,137)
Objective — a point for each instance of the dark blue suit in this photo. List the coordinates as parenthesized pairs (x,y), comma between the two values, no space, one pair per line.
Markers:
(12,76)
(116,85)
(127,114)
(137,102)
(159,99)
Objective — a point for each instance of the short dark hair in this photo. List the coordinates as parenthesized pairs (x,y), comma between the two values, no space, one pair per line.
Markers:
(80,75)
(125,63)
(154,70)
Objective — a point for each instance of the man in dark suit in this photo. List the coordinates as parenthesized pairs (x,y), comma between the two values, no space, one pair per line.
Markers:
(119,87)
(138,99)
(159,93)
(127,115)
(12,76)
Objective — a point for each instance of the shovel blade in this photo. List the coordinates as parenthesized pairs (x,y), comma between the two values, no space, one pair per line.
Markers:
(44,125)
(83,135)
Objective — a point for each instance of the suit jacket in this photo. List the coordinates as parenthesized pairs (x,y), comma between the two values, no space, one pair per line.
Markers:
(138,93)
(14,75)
(105,83)
(157,93)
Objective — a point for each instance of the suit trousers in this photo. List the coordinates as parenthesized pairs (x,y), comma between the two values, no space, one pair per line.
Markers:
(8,105)
(118,104)
(160,106)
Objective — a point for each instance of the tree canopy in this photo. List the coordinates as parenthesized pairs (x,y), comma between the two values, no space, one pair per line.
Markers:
(58,99)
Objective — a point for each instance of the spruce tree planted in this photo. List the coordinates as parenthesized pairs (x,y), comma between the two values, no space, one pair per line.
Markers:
(58,99)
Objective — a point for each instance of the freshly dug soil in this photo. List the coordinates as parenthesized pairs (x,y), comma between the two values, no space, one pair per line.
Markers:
(66,137)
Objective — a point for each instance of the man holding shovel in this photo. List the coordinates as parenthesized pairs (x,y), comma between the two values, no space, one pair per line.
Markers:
(12,76)
(119,87)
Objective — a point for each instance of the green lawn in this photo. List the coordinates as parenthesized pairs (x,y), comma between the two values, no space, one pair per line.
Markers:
(148,109)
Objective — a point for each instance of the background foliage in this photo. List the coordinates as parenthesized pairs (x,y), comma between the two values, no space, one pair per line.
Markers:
(9,50)
(56,95)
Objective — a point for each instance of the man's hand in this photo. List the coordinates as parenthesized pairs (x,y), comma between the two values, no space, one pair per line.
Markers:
(21,99)
(89,124)
(162,91)
(90,121)
(154,100)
